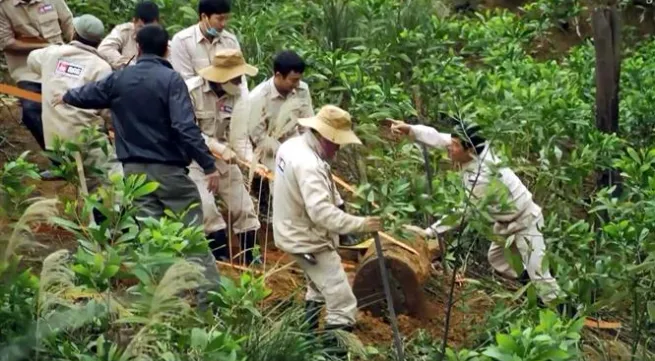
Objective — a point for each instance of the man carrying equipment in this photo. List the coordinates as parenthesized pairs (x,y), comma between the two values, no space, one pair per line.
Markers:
(119,48)
(307,220)
(70,66)
(482,172)
(275,106)
(27,25)
(222,114)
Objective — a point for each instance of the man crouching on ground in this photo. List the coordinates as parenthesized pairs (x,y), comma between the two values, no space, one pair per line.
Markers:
(307,220)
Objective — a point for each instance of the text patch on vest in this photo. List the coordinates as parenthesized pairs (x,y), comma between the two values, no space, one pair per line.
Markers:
(69,69)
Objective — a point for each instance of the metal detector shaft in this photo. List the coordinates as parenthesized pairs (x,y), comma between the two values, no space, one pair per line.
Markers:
(387,293)
(428,188)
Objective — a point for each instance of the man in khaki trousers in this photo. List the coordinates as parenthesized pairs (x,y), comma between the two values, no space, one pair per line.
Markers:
(307,219)
(221,113)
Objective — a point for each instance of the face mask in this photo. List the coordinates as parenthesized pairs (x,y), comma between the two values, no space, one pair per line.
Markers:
(330,149)
(231,88)
(211,31)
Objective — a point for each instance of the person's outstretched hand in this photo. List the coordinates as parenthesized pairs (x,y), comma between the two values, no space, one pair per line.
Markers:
(399,127)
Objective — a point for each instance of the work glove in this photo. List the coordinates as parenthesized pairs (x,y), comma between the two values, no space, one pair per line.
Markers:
(269,146)
(221,149)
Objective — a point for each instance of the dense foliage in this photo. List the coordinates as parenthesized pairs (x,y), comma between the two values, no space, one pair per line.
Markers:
(377,58)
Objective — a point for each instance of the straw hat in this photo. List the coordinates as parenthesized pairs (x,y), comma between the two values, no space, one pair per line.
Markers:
(227,65)
(334,124)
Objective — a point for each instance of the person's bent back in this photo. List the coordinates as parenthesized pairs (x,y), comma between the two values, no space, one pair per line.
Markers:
(152,112)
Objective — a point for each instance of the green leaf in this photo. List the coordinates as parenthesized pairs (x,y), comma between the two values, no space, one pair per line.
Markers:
(496,354)
(145,189)
(651,310)
(110,271)
(506,342)
(199,339)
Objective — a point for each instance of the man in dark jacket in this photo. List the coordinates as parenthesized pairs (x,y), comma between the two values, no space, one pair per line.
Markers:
(155,128)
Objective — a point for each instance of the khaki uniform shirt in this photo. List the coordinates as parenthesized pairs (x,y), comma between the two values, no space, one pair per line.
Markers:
(218,118)
(67,66)
(120,48)
(306,218)
(478,176)
(47,19)
(191,51)
(267,129)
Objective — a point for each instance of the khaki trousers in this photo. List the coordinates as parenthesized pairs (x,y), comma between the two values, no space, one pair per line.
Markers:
(232,190)
(529,245)
(327,283)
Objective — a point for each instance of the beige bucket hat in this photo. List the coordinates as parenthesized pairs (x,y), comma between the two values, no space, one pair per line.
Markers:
(334,124)
(227,64)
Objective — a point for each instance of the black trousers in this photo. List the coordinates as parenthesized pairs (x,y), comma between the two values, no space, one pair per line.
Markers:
(32,112)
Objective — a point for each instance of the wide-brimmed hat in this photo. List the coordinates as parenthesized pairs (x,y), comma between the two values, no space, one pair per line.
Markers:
(227,64)
(334,124)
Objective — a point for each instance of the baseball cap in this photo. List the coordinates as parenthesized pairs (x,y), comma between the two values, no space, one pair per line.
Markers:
(89,27)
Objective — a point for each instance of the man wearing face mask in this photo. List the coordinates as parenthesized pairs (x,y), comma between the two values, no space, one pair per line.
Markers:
(222,114)
(307,219)
(193,48)
(119,48)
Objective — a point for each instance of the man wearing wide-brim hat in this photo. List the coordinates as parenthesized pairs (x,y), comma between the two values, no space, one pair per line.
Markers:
(221,113)
(307,219)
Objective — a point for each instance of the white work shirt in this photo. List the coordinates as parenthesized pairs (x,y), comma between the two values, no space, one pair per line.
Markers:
(267,129)
(306,218)
(477,177)
(66,67)
(221,119)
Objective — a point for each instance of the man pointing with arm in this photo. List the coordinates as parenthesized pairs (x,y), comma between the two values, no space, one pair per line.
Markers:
(480,171)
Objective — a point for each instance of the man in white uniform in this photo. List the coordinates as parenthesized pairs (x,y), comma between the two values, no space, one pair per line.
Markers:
(222,114)
(71,66)
(481,173)
(119,48)
(307,220)
(275,106)
(193,48)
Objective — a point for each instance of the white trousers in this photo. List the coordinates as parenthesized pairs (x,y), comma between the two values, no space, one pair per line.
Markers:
(232,190)
(530,246)
(327,283)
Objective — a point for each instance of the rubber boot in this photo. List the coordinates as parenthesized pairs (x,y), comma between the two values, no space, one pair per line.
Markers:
(247,241)
(218,245)
(312,313)
(332,342)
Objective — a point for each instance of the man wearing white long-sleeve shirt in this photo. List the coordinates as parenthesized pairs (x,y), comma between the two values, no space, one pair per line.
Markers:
(307,219)
(482,173)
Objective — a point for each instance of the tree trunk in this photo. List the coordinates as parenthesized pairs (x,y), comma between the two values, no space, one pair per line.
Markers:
(408,273)
(605,22)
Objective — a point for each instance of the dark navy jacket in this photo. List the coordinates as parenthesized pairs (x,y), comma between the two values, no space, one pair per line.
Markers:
(152,114)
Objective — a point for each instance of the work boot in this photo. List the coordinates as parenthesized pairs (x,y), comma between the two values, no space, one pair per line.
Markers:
(312,313)
(247,241)
(218,245)
(331,342)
